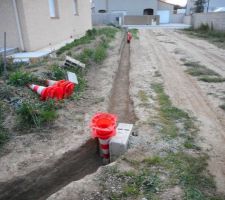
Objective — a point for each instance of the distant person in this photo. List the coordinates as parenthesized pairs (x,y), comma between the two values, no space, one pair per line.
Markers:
(129,37)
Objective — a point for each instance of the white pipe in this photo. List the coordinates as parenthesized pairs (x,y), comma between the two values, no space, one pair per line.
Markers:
(18,25)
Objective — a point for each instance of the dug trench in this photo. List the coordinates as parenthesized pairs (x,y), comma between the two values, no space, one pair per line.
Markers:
(74,165)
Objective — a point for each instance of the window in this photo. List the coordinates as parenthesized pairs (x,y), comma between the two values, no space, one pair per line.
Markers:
(52,8)
(75,7)
(102,11)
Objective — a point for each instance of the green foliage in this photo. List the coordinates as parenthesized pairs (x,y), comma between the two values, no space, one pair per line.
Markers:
(20,78)
(134,33)
(58,73)
(210,79)
(3,132)
(153,160)
(143,96)
(206,32)
(222,106)
(89,36)
(199,6)
(100,54)
(204,27)
(86,56)
(32,114)
(205,74)
(190,173)
(169,117)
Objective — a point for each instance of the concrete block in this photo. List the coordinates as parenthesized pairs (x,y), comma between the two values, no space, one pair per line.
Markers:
(72,77)
(118,144)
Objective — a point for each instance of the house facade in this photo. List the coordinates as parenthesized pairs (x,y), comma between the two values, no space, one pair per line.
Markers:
(134,7)
(32,25)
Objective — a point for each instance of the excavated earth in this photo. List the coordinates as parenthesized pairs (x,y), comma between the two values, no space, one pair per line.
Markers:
(38,167)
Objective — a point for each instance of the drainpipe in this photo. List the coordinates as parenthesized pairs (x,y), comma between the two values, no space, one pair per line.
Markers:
(18,25)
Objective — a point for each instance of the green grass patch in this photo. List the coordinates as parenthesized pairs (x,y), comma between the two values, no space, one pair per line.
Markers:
(21,78)
(143,96)
(134,33)
(57,73)
(222,106)
(35,114)
(207,33)
(170,115)
(204,74)
(90,35)
(3,133)
(197,69)
(210,79)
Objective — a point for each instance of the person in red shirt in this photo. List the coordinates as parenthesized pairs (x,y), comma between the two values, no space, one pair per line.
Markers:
(129,37)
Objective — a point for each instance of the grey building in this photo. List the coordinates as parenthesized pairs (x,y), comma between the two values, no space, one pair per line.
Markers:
(134,7)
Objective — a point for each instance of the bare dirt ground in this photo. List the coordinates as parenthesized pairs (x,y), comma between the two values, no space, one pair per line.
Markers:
(156,52)
(186,92)
(27,158)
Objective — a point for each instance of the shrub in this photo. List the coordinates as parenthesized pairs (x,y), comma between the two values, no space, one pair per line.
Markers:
(36,114)
(100,54)
(58,73)
(204,27)
(3,132)
(20,78)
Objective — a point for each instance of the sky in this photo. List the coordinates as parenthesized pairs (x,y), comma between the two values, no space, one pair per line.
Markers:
(178,2)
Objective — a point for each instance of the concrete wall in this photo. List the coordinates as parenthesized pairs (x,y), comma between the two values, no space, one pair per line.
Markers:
(8,24)
(217,20)
(105,18)
(40,30)
(133,7)
(177,18)
(141,20)
(187,20)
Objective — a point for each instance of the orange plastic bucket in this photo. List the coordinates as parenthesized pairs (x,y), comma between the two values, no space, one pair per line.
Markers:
(103,125)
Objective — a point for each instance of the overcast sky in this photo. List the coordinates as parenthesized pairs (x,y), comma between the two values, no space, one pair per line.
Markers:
(178,2)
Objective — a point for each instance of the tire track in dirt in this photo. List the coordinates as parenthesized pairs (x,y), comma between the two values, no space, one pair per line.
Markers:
(200,51)
(186,94)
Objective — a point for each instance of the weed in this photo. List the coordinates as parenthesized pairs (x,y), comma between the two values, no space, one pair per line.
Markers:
(134,33)
(143,96)
(197,69)
(36,114)
(100,54)
(207,33)
(20,78)
(90,35)
(190,173)
(222,106)
(153,160)
(209,79)
(86,56)
(170,116)
(3,132)
(205,74)
(58,73)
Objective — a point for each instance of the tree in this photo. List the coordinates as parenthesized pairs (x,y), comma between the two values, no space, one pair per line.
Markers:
(199,6)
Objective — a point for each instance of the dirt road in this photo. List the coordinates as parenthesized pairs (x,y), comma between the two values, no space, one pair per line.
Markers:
(185,91)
